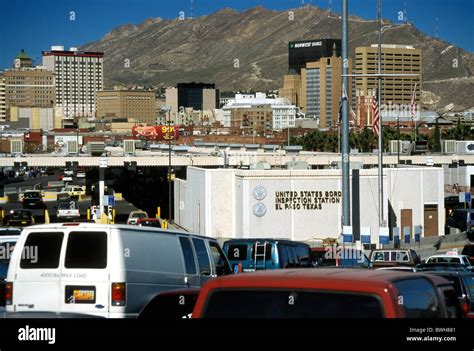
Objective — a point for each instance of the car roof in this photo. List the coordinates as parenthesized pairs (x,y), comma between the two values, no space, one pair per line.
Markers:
(446,255)
(271,240)
(392,250)
(96,226)
(462,273)
(350,279)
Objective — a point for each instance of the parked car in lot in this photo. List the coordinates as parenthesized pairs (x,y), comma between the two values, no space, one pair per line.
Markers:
(451,257)
(149,222)
(32,199)
(20,218)
(468,250)
(463,283)
(330,256)
(328,293)
(394,257)
(255,254)
(107,270)
(441,266)
(134,216)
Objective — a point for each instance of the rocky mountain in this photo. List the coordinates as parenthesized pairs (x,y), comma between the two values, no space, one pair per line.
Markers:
(248,50)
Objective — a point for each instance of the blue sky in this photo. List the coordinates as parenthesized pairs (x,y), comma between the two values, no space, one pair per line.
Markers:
(36,25)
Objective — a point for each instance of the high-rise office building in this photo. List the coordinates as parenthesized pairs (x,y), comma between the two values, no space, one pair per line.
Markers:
(130,104)
(302,52)
(198,96)
(398,59)
(79,76)
(321,87)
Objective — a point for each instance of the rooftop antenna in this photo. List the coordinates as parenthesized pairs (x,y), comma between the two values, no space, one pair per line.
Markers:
(192,9)
(330,7)
(437,28)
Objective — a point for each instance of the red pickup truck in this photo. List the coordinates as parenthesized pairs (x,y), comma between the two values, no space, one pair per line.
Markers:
(328,293)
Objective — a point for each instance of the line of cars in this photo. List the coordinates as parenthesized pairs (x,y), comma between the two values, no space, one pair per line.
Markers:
(131,271)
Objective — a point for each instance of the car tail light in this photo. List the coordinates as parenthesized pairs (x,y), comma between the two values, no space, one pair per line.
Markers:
(118,294)
(465,307)
(9,293)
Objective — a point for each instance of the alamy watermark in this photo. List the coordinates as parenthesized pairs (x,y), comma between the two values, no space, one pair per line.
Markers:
(29,252)
(336,252)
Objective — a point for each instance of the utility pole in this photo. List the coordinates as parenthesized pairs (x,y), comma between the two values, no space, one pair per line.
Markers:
(379,99)
(346,219)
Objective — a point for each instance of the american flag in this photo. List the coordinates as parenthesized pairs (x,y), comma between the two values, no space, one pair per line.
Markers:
(413,104)
(375,109)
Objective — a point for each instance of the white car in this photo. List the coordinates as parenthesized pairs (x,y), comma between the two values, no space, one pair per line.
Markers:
(68,209)
(451,257)
(67,178)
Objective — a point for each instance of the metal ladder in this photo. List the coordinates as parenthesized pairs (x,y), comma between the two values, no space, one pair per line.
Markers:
(261,256)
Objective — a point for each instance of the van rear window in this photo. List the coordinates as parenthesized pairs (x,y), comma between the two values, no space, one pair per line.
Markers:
(86,250)
(41,250)
(291,304)
(237,252)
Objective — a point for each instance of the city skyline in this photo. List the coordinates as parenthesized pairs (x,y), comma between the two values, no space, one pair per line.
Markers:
(72,23)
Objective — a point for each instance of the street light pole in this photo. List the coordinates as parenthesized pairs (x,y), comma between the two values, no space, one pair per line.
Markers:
(379,98)
(346,219)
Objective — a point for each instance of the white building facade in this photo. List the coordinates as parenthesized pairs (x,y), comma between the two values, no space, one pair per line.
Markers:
(79,76)
(305,205)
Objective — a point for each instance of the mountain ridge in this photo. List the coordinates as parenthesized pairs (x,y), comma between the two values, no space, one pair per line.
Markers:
(247,50)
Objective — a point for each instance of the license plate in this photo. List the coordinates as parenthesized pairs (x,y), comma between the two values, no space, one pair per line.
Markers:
(83,295)
(80,294)
(23,222)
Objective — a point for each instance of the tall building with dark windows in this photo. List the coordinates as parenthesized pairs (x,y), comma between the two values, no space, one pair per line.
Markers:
(198,96)
(302,52)
(79,76)
(321,87)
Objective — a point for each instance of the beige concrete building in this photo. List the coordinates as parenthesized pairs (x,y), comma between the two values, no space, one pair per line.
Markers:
(291,88)
(321,90)
(253,119)
(130,104)
(45,118)
(395,59)
(28,87)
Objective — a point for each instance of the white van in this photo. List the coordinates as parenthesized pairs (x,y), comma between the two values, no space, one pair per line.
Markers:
(105,270)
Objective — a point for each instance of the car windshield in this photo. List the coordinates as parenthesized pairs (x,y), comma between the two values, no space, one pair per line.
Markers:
(31,195)
(139,215)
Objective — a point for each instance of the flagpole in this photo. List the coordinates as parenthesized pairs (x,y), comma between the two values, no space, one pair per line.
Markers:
(379,99)
(346,219)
